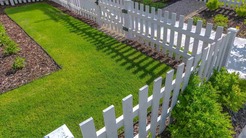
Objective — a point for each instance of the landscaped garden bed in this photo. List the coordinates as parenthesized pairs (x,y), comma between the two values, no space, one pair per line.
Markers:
(234,20)
(96,71)
(36,61)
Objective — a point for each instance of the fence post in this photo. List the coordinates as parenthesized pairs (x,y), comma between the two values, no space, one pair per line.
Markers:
(99,13)
(232,32)
(127,5)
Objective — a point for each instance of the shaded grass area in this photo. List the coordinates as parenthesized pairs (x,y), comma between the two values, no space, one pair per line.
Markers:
(97,71)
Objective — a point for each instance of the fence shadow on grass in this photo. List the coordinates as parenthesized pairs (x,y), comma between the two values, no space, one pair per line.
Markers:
(119,52)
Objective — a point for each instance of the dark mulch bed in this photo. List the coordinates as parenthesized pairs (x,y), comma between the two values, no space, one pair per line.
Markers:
(238,121)
(234,20)
(38,62)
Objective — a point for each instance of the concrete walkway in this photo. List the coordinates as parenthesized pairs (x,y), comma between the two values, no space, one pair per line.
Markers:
(243,133)
(185,7)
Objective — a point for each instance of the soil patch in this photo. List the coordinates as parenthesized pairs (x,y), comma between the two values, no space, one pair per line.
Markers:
(234,20)
(38,62)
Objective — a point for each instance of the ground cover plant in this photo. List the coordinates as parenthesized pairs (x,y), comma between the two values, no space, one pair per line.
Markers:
(207,107)
(97,71)
(198,114)
(230,88)
(9,46)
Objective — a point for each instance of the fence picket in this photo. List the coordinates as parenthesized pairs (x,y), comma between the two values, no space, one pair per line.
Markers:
(165,102)
(196,41)
(177,86)
(128,116)
(143,97)
(173,20)
(179,41)
(187,39)
(88,128)
(155,105)
(110,123)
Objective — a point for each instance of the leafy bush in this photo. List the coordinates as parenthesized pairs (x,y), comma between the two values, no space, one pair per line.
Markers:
(244,21)
(241,11)
(198,114)
(213,4)
(196,19)
(232,95)
(221,20)
(19,63)
(11,48)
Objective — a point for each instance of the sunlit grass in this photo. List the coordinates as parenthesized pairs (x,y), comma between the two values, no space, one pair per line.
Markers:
(97,71)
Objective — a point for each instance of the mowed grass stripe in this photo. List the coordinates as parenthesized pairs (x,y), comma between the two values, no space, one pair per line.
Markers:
(97,71)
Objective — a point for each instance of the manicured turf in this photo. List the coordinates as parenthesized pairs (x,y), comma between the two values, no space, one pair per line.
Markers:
(97,71)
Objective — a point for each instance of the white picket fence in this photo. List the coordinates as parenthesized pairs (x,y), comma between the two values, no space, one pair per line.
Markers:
(199,52)
(230,3)
(203,64)
(148,27)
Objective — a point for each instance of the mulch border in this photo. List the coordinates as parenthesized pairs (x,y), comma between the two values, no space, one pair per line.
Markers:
(38,62)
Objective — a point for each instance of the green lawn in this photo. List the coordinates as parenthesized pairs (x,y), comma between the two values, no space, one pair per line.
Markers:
(97,71)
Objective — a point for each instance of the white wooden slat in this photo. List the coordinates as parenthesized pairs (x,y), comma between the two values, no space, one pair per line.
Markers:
(178,81)
(223,48)
(166,18)
(153,24)
(187,39)
(208,31)
(179,40)
(196,62)
(165,102)
(128,116)
(203,62)
(219,52)
(110,122)
(88,128)
(196,41)
(155,105)
(143,97)
(159,16)
(210,56)
(173,20)
(219,32)
(187,72)
(215,55)
(147,21)
(142,18)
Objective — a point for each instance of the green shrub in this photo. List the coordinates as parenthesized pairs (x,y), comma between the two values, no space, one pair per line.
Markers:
(227,86)
(221,20)
(19,63)
(241,11)
(197,18)
(11,48)
(213,4)
(198,114)
(244,21)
